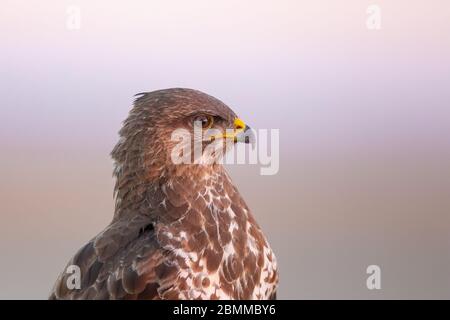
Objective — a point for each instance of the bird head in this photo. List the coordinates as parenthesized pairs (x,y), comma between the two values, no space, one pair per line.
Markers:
(177,127)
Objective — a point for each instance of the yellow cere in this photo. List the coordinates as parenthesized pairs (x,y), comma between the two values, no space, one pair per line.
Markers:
(239,124)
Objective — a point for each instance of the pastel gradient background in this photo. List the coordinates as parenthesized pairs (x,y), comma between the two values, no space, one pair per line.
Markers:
(364,119)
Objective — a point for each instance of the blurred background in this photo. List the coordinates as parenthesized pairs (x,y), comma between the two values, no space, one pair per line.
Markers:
(364,119)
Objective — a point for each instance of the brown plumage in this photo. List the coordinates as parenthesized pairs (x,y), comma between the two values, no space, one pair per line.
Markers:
(179,231)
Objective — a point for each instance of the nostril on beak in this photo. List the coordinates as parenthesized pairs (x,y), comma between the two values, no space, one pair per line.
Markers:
(239,124)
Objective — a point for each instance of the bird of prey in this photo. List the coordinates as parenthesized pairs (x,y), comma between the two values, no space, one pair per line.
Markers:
(179,230)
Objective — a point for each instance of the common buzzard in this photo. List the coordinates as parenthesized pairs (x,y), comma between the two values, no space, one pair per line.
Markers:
(180,230)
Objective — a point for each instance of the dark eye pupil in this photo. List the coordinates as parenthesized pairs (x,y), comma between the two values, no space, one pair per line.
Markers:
(203,120)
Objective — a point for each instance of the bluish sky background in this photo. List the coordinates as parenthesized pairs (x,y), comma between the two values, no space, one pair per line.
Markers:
(364,119)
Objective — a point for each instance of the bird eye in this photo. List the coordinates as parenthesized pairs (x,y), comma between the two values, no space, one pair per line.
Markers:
(206,121)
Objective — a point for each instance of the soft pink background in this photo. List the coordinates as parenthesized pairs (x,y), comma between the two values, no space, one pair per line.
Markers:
(364,119)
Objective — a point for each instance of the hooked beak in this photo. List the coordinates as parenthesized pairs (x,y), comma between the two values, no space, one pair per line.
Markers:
(244,133)
(240,133)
